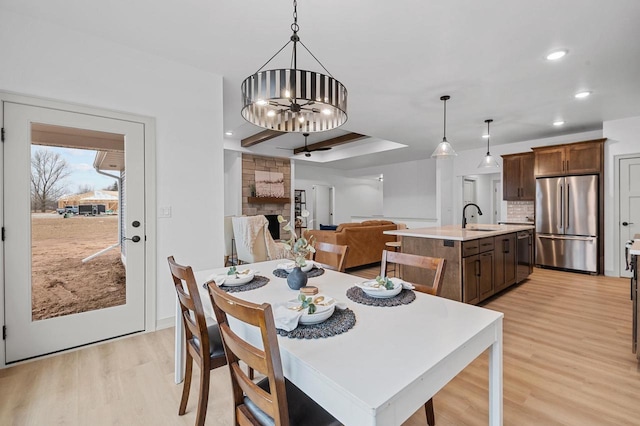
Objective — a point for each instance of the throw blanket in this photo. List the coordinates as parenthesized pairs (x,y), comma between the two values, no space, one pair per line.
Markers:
(248,230)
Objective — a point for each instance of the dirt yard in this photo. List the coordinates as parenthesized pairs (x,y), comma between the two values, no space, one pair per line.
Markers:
(61,283)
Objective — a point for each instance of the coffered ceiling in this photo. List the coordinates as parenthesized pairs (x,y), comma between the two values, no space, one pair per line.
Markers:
(396,59)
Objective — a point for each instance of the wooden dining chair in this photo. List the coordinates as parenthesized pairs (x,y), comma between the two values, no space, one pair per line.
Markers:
(331,256)
(274,400)
(203,343)
(434,264)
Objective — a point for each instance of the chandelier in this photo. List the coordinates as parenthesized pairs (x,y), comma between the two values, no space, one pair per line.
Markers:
(294,100)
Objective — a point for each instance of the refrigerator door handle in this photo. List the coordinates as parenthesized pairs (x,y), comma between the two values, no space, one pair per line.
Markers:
(567,213)
(563,237)
(561,210)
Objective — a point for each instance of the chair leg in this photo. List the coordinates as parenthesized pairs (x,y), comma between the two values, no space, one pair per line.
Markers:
(203,398)
(186,384)
(428,408)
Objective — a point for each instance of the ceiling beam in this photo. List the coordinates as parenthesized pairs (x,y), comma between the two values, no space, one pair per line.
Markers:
(340,140)
(263,136)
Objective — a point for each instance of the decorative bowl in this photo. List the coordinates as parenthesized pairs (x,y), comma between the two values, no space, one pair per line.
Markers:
(242,277)
(371,288)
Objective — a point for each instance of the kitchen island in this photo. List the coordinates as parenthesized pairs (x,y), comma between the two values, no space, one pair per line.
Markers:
(481,260)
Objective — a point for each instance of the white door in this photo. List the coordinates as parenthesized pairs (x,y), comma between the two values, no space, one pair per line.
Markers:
(322,205)
(28,337)
(469,196)
(629,205)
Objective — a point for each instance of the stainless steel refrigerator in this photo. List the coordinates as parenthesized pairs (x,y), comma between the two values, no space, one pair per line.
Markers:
(567,222)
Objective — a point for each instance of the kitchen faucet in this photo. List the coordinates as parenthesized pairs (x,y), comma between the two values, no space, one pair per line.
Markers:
(464,209)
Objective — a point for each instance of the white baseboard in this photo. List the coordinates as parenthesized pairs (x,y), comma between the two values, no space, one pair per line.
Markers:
(165,323)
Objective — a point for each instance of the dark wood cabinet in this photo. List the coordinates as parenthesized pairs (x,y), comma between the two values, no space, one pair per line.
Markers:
(485,279)
(518,180)
(470,278)
(570,159)
(505,261)
(477,270)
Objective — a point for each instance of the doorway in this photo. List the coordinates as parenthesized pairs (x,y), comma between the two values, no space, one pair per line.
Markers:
(469,196)
(87,230)
(629,205)
(322,205)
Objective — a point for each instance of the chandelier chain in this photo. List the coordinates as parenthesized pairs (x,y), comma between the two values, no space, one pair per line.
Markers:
(295,26)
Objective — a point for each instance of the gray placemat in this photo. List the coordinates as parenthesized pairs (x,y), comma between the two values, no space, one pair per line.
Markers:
(257,282)
(340,322)
(359,296)
(314,272)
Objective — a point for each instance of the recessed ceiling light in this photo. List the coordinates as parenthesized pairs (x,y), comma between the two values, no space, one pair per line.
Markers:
(558,123)
(228,133)
(582,95)
(555,55)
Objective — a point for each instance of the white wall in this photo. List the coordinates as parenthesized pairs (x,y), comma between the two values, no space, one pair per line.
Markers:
(353,196)
(623,139)
(232,183)
(45,60)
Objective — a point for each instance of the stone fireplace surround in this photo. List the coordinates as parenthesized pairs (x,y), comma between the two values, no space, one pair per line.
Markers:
(251,163)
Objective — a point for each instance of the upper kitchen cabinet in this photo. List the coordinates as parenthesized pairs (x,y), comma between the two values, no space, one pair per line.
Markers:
(570,159)
(518,180)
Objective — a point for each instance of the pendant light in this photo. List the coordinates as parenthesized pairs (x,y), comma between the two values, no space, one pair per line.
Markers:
(444,148)
(294,100)
(488,161)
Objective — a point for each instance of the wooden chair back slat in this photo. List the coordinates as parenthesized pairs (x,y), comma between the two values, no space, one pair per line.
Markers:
(191,308)
(331,256)
(435,264)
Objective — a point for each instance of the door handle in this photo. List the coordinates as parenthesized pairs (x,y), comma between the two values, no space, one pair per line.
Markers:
(135,238)
(567,213)
(627,223)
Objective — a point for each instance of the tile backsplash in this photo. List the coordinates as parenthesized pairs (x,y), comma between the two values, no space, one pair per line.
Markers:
(520,211)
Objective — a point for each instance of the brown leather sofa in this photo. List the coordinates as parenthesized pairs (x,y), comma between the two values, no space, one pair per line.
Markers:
(364,239)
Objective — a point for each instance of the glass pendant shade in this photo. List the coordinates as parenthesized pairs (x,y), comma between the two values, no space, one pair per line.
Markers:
(444,148)
(489,161)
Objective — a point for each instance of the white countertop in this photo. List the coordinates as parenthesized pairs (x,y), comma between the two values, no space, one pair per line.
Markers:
(455,232)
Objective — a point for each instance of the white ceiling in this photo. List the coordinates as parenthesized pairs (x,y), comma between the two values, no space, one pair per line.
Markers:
(397,58)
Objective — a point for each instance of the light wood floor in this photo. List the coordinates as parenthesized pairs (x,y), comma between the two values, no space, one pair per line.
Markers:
(567,361)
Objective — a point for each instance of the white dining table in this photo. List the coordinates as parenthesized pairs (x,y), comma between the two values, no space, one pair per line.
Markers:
(390,363)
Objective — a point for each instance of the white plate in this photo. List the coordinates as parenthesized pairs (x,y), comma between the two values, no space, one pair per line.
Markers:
(290,265)
(242,278)
(322,313)
(380,292)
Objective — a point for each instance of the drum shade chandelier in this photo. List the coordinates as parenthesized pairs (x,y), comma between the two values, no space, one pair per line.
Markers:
(488,161)
(294,100)
(444,148)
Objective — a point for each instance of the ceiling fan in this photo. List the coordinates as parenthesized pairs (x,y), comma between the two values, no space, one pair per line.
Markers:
(307,151)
